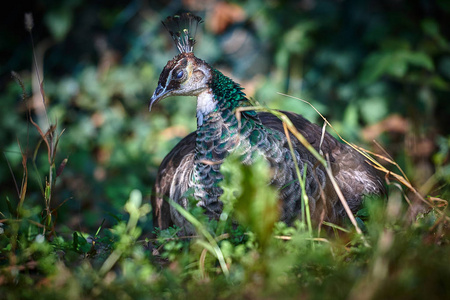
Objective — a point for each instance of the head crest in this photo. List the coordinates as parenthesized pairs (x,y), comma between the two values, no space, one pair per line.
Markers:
(183,28)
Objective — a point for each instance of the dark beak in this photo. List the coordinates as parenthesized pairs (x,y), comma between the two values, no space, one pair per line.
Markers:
(158,95)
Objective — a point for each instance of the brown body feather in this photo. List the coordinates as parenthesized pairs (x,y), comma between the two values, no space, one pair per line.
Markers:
(353,174)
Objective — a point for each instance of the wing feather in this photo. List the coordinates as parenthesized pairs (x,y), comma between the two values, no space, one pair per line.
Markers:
(353,174)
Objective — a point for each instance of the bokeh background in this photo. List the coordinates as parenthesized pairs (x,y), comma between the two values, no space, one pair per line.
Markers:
(378,70)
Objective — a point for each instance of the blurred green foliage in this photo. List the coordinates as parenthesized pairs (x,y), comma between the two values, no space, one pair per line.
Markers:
(376,69)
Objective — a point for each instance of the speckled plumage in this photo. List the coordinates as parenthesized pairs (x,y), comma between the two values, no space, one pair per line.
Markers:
(194,164)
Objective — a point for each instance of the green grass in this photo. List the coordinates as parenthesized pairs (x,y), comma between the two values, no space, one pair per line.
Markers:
(398,258)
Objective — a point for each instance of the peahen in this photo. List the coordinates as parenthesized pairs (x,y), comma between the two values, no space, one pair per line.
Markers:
(194,164)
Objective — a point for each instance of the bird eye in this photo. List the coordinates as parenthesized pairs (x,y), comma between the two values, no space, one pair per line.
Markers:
(180,74)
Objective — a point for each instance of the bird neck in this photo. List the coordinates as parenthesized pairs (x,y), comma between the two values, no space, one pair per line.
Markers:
(227,93)
(220,132)
(222,97)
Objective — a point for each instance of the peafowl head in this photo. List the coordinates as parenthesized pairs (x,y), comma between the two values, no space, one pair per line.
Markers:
(185,75)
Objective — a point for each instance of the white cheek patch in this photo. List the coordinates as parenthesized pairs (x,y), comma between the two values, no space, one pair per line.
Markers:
(169,78)
(163,90)
(205,105)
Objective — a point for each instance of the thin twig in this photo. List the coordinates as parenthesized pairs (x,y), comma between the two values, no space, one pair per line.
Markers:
(344,203)
(301,180)
(402,179)
(29,27)
(12,175)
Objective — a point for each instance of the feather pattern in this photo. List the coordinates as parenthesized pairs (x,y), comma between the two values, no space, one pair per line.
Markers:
(353,175)
(183,28)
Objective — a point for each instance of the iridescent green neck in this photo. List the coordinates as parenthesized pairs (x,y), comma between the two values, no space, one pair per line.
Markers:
(218,134)
(227,93)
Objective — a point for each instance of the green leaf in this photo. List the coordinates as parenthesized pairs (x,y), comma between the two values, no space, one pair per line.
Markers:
(47,192)
(420,59)
(394,62)
(373,109)
(59,22)
(200,228)
(10,208)
(431,28)
(256,202)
